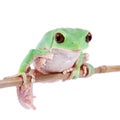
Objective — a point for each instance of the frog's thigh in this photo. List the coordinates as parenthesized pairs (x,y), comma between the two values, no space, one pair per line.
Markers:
(87,70)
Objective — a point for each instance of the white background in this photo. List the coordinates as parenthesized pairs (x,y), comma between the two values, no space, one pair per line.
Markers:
(22,25)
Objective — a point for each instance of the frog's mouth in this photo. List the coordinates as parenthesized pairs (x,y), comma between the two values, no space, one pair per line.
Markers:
(67,50)
(76,50)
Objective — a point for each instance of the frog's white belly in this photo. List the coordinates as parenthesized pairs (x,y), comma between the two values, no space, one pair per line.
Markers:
(61,60)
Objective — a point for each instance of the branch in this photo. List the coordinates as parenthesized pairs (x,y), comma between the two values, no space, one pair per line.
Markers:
(17,80)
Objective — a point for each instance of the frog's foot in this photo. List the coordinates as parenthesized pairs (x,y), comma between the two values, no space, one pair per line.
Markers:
(87,70)
(25,93)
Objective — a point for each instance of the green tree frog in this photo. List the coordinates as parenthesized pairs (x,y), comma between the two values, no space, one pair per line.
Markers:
(59,51)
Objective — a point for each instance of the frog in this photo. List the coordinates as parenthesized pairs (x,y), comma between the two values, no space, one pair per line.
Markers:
(59,51)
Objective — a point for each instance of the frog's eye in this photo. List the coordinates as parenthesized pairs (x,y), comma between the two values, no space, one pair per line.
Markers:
(88,37)
(59,37)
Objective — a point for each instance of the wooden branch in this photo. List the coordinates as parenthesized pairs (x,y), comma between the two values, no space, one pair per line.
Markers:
(106,69)
(17,80)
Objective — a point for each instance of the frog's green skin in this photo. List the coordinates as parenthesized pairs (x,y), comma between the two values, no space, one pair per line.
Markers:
(60,50)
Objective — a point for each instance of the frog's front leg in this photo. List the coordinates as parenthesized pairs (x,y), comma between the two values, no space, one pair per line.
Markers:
(25,91)
(76,68)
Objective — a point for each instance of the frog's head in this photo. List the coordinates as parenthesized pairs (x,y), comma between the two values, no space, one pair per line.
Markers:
(71,39)
(66,38)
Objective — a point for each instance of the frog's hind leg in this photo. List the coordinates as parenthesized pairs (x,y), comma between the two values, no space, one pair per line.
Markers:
(25,93)
(86,70)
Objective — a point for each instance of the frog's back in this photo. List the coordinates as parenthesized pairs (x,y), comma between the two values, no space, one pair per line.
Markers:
(46,41)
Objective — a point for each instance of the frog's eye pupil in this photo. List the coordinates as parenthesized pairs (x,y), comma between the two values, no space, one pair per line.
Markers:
(88,37)
(59,37)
